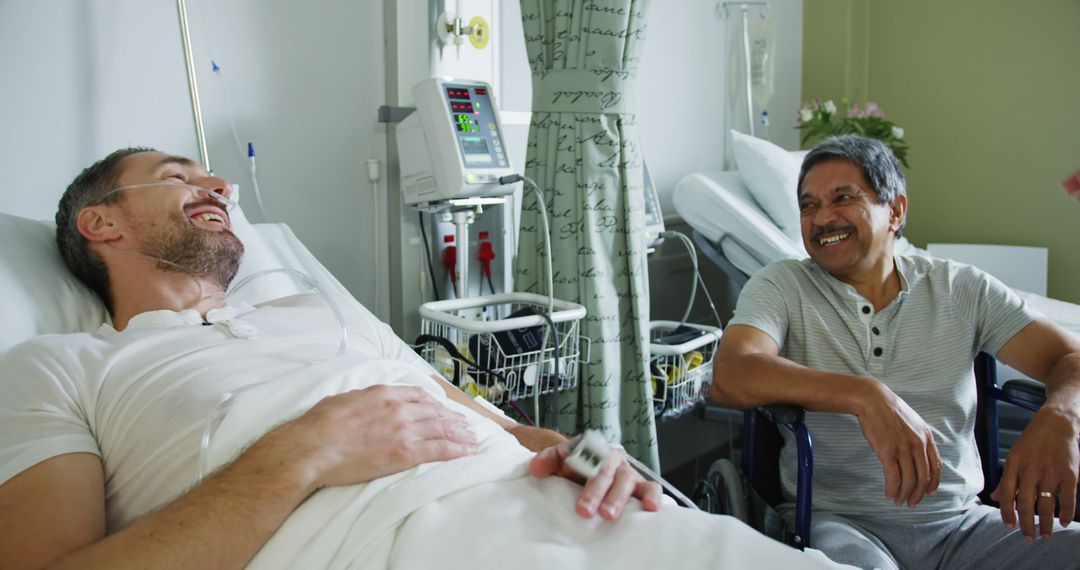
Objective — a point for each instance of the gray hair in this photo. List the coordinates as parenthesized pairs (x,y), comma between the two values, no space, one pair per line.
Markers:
(876,161)
(87,188)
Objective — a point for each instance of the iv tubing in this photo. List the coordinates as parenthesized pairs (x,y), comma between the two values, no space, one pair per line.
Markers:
(216,69)
(746,56)
(255,180)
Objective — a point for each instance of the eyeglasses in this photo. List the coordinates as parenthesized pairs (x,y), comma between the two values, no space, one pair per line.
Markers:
(195,191)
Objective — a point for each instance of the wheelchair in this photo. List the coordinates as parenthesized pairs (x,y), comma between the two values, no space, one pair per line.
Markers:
(751,494)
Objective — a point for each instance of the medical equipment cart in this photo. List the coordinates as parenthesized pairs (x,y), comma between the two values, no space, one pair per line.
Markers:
(681,373)
(501,346)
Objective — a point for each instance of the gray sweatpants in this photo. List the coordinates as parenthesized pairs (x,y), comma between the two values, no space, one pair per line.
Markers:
(976,539)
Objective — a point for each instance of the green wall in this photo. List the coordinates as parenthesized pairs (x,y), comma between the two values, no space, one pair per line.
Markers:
(988,93)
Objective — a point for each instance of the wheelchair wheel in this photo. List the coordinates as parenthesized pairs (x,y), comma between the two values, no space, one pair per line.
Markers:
(728,482)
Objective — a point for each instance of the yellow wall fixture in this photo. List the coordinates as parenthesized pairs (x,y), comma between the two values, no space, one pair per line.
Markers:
(988,92)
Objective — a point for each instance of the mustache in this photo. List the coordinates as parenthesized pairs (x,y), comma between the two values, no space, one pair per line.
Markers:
(830,229)
(206,202)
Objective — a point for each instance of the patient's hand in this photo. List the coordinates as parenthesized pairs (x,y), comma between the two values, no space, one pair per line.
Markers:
(607,492)
(1043,459)
(362,435)
(903,443)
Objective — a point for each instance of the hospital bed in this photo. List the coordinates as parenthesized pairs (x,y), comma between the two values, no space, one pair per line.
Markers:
(440,508)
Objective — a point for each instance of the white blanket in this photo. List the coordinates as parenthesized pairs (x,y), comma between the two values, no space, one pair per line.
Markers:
(477,512)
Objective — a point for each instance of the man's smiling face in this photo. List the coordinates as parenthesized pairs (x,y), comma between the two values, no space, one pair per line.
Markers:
(845,229)
(173,217)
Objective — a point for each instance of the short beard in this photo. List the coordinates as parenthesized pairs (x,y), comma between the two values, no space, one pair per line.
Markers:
(205,254)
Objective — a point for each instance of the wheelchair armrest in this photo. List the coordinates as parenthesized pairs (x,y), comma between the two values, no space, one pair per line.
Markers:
(1021,391)
(783,414)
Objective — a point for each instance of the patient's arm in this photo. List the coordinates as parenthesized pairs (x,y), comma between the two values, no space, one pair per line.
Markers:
(607,493)
(55,510)
(1045,457)
(748,371)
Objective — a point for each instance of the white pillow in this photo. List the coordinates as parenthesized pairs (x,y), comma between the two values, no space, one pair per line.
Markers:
(39,294)
(771,173)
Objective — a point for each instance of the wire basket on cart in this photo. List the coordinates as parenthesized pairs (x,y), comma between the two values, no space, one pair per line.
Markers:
(680,362)
(501,347)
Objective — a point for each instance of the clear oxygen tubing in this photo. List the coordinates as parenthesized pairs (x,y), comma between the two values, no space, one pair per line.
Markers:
(313,286)
(697,278)
(223,404)
(542,208)
(226,202)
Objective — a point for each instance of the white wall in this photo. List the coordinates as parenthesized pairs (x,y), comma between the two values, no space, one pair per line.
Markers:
(682,83)
(304,80)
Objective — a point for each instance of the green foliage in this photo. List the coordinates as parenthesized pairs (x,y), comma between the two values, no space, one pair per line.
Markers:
(819,120)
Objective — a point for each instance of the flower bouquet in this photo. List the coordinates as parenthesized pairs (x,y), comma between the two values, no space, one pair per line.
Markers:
(819,120)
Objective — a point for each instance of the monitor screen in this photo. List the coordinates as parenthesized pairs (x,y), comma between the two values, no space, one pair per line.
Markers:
(478,135)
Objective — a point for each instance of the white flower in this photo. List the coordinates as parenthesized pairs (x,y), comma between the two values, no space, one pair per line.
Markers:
(898,133)
(806,115)
(830,107)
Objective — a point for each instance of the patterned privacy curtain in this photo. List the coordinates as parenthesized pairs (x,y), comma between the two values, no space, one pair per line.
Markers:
(584,152)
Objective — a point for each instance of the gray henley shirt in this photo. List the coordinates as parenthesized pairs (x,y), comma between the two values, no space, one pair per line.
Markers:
(921,346)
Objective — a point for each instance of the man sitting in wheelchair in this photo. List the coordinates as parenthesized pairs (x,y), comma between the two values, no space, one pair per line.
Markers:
(878,349)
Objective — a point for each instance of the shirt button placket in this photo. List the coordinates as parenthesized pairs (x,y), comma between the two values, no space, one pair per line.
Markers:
(866,315)
(877,351)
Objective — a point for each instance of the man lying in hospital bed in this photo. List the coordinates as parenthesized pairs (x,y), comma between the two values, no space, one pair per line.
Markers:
(322,458)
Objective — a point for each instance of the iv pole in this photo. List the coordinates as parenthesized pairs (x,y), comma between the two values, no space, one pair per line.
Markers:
(193,86)
(744,8)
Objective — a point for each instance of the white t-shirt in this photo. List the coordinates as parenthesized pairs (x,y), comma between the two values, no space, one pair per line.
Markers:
(139,398)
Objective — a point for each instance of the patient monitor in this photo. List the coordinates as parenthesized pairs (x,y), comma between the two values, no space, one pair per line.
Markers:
(452,147)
